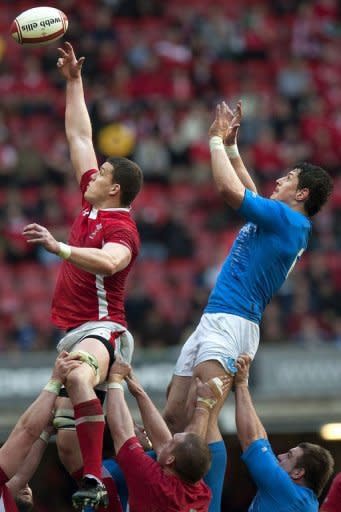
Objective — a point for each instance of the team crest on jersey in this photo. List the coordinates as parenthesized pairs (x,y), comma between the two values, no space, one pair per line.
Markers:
(96,230)
(86,212)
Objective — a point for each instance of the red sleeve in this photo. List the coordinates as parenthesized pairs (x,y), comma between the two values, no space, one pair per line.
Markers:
(332,502)
(141,472)
(122,235)
(3,477)
(86,177)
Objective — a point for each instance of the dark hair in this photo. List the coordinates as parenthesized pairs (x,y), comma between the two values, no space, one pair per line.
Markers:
(319,183)
(192,458)
(318,465)
(129,176)
(23,506)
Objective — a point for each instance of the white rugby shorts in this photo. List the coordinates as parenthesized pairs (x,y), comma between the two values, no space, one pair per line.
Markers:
(219,336)
(124,344)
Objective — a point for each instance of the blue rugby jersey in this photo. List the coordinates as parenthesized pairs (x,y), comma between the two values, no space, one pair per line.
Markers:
(263,254)
(276,491)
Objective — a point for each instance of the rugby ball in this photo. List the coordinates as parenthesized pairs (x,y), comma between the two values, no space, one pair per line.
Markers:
(39,26)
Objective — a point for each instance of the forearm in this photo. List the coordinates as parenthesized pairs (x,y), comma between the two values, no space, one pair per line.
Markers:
(77,120)
(225,177)
(95,261)
(242,173)
(28,468)
(199,421)
(119,418)
(153,422)
(249,426)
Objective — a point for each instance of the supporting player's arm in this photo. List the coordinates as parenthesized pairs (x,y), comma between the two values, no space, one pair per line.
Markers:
(249,426)
(231,146)
(155,426)
(207,396)
(34,419)
(77,121)
(108,260)
(227,182)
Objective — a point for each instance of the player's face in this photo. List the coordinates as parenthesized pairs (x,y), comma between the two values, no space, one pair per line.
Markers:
(100,185)
(24,498)
(288,460)
(286,187)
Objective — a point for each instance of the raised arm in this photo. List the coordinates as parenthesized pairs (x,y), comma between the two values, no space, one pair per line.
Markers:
(77,121)
(35,419)
(208,394)
(224,175)
(231,146)
(249,426)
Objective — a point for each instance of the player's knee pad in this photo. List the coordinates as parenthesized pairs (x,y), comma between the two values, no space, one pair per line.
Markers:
(89,359)
(64,419)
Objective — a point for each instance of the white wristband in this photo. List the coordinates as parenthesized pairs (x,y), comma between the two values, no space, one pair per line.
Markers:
(45,436)
(216,142)
(232,151)
(115,385)
(64,251)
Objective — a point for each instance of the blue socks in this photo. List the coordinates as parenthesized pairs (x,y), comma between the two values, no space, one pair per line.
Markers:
(215,477)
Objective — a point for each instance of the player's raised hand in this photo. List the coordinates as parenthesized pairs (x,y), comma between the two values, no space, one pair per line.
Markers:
(214,388)
(70,68)
(63,366)
(119,370)
(243,365)
(133,384)
(37,234)
(221,123)
(232,133)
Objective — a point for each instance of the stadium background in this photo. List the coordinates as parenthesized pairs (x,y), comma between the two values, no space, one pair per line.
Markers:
(153,73)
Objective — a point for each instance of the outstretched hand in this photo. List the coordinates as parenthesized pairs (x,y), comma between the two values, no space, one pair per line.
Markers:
(133,384)
(37,234)
(236,117)
(64,364)
(226,122)
(70,68)
(243,365)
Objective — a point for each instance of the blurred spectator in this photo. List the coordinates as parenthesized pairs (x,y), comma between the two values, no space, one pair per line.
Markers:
(159,69)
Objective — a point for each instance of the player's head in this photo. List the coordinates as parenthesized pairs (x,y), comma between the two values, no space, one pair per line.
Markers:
(118,179)
(308,463)
(24,499)
(306,185)
(188,455)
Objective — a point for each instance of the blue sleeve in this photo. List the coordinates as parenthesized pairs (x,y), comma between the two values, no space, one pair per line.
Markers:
(267,473)
(266,213)
(118,477)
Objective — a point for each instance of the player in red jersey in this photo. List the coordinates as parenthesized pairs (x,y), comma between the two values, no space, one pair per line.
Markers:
(21,453)
(332,502)
(174,481)
(89,296)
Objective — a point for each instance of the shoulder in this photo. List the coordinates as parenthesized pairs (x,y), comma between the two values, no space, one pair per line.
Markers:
(256,448)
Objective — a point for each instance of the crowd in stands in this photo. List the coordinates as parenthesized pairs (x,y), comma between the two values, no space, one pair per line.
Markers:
(154,72)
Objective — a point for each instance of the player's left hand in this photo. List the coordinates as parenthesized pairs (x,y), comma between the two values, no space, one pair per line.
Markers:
(215,388)
(235,120)
(37,234)
(119,368)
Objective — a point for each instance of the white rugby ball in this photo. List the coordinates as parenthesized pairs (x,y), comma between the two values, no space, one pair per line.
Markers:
(39,26)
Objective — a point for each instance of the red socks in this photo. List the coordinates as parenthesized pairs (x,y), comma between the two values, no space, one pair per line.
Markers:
(89,421)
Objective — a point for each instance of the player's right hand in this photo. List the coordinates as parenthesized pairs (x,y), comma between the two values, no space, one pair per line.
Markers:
(70,68)
(243,363)
(64,364)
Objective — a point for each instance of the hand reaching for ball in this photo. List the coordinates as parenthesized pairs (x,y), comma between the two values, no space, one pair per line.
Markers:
(70,68)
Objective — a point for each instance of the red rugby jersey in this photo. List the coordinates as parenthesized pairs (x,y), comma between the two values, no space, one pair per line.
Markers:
(79,295)
(7,503)
(332,502)
(152,489)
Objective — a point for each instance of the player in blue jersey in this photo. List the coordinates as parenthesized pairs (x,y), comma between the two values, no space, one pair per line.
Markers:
(291,481)
(263,254)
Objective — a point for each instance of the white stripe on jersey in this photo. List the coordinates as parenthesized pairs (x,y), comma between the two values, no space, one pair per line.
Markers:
(2,505)
(102,298)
